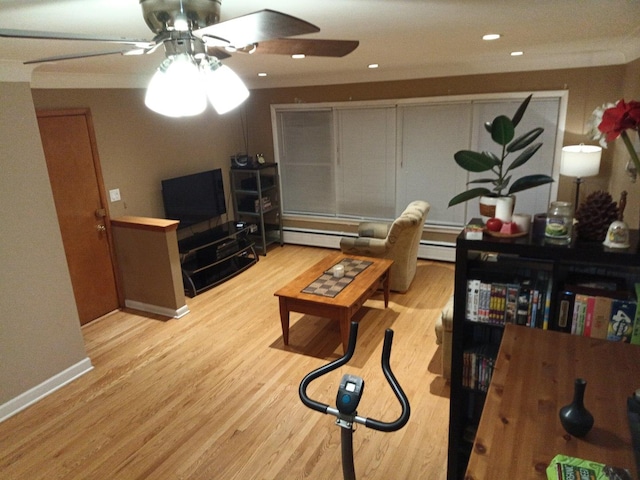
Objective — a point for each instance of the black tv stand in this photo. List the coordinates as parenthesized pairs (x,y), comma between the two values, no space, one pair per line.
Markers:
(213,256)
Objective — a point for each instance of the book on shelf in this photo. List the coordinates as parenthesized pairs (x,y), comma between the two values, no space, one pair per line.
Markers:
(523,302)
(524,297)
(547,305)
(579,314)
(511,303)
(601,315)
(623,314)
(597,312)
(564,317)
(588,318)
(635,333)
(473,294)
(477,366)
(586,310)
(262,205)
(497,303)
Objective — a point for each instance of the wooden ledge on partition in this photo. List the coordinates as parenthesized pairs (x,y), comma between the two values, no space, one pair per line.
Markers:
(145,223)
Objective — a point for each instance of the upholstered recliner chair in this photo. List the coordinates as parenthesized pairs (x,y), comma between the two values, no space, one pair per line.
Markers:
(398,241)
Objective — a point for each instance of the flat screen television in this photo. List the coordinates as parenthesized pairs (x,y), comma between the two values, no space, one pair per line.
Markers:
(194,198)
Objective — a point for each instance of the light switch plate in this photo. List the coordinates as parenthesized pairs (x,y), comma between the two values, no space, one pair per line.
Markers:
(114,195)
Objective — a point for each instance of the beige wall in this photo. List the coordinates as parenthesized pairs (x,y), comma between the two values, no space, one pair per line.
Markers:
(138,148)
(39,327)
(587,87)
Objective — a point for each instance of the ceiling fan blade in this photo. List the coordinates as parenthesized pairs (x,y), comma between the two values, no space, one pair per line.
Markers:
(9,33)
(307,46)
(217,52)
(257,27)
(73,56)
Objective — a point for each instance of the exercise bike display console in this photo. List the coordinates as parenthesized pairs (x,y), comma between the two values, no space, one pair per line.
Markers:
(349,395)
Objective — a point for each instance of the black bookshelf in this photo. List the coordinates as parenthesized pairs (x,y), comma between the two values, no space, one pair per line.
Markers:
(498,259)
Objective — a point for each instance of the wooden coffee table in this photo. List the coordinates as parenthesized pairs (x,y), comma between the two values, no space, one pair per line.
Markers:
(344,305)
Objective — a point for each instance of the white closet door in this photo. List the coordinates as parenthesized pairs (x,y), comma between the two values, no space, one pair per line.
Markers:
(366,169)
(430,135)
(306,156)
(543,112)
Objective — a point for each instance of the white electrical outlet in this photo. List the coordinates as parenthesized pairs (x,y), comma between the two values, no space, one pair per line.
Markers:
(114,195)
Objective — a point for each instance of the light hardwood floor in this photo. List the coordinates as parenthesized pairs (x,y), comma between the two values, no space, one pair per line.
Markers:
(214,395)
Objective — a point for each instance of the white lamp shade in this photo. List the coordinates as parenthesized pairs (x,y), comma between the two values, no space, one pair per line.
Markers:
(580,161)
(224,88)
(177,88)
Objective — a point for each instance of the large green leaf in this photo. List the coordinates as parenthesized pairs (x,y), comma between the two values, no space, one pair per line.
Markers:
(502,130)
(493,156)
(468,195)
(524,140)
(473,161)
(525,156)
(528,182)
(520,112)
(482,180)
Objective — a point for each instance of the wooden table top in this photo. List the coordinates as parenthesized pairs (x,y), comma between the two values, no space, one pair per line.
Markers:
(520,431)
(350,294)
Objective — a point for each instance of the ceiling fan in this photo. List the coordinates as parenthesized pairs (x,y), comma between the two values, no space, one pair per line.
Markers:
(191,30)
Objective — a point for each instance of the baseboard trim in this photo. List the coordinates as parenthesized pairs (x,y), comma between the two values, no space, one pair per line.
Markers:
(429,251)
(167,312)
(47,387)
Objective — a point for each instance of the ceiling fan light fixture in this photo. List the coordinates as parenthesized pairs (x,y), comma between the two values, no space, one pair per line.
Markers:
(180,23)
(224,87)
(177,88)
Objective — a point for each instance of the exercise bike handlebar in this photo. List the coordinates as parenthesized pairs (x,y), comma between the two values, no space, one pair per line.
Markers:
(388,373)
(397,389)
(311,376)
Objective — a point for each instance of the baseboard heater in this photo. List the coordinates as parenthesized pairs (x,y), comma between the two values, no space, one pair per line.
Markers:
(439,251)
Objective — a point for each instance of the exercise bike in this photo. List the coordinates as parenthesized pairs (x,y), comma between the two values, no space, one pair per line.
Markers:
(349,395)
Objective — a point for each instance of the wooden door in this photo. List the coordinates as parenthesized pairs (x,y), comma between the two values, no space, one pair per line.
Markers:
(70,150)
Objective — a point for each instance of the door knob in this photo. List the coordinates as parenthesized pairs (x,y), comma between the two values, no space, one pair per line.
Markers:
(101,228)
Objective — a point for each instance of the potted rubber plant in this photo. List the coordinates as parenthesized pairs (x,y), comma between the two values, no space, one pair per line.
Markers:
(502,131)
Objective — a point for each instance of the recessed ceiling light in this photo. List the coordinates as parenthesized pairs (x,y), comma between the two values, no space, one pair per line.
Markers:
(373,65)
(516,54)
(491,36)
(298,55)
(262,74)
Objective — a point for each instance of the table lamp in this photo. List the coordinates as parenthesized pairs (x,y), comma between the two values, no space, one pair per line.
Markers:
(580,161)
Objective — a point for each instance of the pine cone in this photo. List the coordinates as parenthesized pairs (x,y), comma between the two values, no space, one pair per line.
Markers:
(595,215)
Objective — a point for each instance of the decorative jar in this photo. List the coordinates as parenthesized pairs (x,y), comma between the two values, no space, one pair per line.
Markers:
(559,223)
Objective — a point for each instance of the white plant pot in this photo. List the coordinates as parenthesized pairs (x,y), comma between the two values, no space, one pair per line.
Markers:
(488,207)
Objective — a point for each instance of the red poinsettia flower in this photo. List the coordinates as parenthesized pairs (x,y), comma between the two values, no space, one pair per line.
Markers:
(616,120)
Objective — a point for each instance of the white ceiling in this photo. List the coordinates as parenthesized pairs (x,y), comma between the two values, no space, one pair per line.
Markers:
(407,38)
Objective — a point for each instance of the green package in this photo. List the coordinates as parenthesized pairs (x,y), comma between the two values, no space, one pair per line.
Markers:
(563,467)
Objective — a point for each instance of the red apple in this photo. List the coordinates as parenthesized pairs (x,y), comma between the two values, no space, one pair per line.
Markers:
(494,224)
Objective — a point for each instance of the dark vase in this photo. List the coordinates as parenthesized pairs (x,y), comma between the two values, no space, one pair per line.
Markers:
(575,418)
